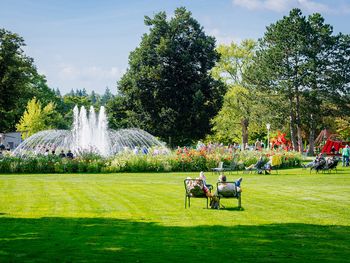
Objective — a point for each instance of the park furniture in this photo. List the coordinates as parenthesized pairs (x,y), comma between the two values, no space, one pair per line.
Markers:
(219,169)
(194,189)
(228,190)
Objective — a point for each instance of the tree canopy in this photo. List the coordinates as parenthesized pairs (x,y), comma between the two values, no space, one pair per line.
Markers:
(19,80)
(37,118)
(298,59)
(167,89)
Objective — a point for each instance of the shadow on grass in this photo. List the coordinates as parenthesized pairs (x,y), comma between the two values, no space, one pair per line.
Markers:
(224,207)
(113,240)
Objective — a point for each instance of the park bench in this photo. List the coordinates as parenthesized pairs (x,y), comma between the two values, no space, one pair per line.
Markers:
(194,189)
(228,190)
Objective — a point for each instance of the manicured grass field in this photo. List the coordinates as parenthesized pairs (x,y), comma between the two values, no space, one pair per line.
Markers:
(289,217)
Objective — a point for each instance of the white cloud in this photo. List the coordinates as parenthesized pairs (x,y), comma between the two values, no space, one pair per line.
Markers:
(222,38)
(90,72)
(285,5)
(249,4)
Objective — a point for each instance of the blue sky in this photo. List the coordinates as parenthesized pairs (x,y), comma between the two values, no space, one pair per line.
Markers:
(86,43)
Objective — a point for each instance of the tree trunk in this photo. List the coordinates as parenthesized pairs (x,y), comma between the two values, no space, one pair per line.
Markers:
(298,123)
(245,124)
(292,124)
(312,142)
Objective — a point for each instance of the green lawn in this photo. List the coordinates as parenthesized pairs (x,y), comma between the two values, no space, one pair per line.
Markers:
(289,217)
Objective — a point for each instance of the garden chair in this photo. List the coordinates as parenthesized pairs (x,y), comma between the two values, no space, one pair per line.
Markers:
(234,166)
(219,169)
(331,166)
(228,190)
(194,189)
(257,168)
(319,166)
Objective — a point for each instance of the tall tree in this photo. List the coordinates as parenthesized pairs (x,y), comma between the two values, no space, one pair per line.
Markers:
(167,89)
(15,73)
(239,102)
(298,58)
(318,51)
(19,81)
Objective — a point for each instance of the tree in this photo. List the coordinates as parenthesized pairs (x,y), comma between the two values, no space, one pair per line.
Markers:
(167,89)
(36,118)
(107,96)
(15,73)
(280,62)
(70,101)
(95,99)
(19,81)
(298,59)
(234,61)
(239,102)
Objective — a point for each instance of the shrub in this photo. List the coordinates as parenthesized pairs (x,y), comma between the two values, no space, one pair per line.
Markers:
(180,160)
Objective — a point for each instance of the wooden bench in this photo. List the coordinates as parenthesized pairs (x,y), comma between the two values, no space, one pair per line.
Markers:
(194,189)
(228,190)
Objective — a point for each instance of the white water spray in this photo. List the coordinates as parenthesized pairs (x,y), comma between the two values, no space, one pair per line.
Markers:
(89,134)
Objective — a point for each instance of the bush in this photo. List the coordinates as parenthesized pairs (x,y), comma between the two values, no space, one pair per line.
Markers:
(185,160)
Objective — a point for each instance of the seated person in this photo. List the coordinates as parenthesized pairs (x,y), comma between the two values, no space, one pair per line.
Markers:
(62,154)
(259,165)
(311,164)
(333,150)
(320,162)
(332,161)
(70,154)
(224,187)
(268,166)
(198,186)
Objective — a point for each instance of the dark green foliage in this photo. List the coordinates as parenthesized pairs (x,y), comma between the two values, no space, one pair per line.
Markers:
(300,61)
(167,89)
(106,97)
(16,70)
(19,82)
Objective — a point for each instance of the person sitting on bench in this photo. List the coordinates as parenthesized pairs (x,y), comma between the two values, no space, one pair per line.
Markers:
(199,183)
(229,187)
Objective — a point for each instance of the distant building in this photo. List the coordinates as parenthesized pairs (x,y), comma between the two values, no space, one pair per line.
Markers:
(10,140)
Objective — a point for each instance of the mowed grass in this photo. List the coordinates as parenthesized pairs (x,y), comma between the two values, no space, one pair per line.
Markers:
(290,217)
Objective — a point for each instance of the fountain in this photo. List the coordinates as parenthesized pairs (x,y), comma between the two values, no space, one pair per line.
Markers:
(90,134)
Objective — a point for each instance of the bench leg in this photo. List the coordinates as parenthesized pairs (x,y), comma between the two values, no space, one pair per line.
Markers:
(189,201)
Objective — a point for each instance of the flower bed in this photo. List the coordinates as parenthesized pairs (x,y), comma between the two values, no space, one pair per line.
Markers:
(180,160)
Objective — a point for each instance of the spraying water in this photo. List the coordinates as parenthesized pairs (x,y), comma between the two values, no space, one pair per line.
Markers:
(89,134)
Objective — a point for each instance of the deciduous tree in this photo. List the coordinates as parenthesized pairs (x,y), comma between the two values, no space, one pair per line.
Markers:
(167,89)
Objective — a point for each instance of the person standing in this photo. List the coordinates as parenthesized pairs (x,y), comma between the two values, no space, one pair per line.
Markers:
(345,155)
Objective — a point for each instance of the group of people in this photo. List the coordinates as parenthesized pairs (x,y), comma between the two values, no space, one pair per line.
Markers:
(320,160)
(69,154)
(200,187)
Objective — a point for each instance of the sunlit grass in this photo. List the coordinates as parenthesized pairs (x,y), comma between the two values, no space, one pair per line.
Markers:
(292,216)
